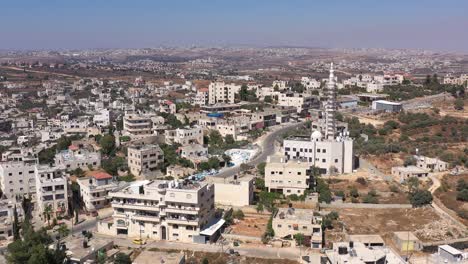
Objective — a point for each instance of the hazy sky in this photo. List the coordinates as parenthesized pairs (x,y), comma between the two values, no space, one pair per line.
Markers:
(47,24)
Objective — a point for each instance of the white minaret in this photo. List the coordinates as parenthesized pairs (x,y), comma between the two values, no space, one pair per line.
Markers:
(330,106)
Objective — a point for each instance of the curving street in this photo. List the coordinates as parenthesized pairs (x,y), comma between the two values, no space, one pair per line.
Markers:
(267,148)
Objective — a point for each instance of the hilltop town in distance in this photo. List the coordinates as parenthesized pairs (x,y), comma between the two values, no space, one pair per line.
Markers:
(234,155)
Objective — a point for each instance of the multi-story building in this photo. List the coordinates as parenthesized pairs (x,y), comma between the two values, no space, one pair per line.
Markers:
(310,83)
(137,126)
(17,178)
(95,188)
(431,164)
(288,177)
(144,159)
(76,157)
(301,102)
(184,136)
(220,92)
(102,118)
(330,151)
(161,210)
(201,97)
(288,222)
(166,106)
(7,209)
(51,189)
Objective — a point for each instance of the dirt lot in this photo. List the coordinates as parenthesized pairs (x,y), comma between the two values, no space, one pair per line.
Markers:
(448,193)
(446,108)
(424,222)
(252,225)
(383,189)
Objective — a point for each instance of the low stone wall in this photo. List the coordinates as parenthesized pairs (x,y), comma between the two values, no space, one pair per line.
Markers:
(365,205)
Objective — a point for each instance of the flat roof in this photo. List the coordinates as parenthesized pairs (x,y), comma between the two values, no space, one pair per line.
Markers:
(405,235)
(411,168)
(451,250)
(153,257)
(373,239)
(387,102)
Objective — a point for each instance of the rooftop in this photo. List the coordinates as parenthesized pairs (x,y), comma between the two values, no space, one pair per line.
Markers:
(153,257)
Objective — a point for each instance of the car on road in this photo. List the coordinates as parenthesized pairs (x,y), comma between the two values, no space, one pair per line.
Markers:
(138,241)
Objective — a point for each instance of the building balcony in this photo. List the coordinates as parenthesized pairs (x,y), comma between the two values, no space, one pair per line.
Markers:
(136,206)
(187,210)
(146,218)
(182,221)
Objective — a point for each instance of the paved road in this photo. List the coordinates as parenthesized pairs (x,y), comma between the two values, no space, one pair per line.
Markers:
(267,148)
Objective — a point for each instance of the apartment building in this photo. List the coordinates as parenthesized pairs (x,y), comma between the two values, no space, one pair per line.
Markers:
(51,189)
(166,106)
(95,188)
(301,102)
(144,159)
(161,210)
(17,177)
(196,153)
(102,118)
(310,83)
(234,127)
(7,209)
(233,192)
(288,222)
(75,157)
(184,136)
(201,97)
(137,126)
(220,92)
(288,177)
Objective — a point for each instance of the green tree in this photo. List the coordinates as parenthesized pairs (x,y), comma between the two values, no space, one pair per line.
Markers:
(459,104)
(229,139)
(238,214)
(107,144)
(227,159)
(409,160)
(215,138)
(300,238)
(413,184)
(47,214)
(122,258)
(463,195)
(16,226)
(260,184)
(63,231)
(420,198)
(261,168)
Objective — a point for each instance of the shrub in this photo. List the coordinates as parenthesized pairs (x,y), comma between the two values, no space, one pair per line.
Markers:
(463,195)
(420,198)
(238,214)
(361,181)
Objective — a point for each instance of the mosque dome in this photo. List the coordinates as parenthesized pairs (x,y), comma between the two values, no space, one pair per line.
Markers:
(316,135)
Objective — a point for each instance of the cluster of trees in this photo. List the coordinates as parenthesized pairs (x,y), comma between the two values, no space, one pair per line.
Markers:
(418,197)
(172,158)
(431,86)
(172,121)
(48,155)
(247,95)
(30,246)
(218,144)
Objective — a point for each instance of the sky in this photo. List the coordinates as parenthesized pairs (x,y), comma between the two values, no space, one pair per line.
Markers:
(440,25)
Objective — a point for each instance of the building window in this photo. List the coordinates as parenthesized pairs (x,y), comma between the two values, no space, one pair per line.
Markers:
(324,160)
(279,226)
(336,160)
(318,150)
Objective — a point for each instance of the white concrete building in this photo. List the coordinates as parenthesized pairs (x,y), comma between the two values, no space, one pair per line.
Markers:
(288,177)
(137,126)
(161,210)
(358,253)
(144,159)
(102,118)
(327,150)
(288,222)
(310,83)
(95,188)
(184,136)
(166,106)
(51,189)
(76,157)
(17,178)
(220,92)
(7,209)
(299,101)
(201,97)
